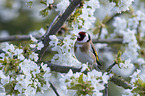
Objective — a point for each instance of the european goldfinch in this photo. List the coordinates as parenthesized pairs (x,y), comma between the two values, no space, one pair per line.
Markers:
(84,49)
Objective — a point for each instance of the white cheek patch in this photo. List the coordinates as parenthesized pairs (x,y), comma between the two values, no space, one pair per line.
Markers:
(84,40)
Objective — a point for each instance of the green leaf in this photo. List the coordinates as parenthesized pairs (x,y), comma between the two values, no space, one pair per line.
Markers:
(76,87)
(44,12)
(80,79)
(1,61)
(43,2)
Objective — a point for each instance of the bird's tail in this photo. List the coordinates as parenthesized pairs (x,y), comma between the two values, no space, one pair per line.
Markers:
(97,66)
(99,63)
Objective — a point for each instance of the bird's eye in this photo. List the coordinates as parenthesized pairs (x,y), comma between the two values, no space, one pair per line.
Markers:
(83,35)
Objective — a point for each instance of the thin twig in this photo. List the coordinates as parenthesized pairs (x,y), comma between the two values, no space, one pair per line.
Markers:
(110,67)
(52,23)
(109,20)
(100,32)
(106,22)
(54,89)
(106,90)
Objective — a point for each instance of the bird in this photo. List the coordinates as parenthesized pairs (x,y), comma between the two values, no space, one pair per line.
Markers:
(85,51)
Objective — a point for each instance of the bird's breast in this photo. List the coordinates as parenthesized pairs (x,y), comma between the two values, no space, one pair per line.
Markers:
(83,56)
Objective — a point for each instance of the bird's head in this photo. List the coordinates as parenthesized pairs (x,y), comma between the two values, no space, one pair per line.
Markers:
(83,37)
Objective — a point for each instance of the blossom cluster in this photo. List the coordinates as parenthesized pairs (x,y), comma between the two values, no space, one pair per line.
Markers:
(82,84)
(122,5)
(64,49)
(19,72)
(128,32)
(138,84)
(132,31)
(86,18)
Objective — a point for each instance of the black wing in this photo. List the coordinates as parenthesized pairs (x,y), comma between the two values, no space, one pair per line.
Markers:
(96,55)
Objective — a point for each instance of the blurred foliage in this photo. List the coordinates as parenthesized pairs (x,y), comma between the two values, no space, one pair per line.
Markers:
(25,22)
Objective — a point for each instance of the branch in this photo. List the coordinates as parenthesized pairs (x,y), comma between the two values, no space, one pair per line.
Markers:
(120,82)
(110,67)
(47,32)
(58,24)
(27,37)
(106,90)
(18,38)
(117,41)
(61,68)
(1,51)
(64,69)
(54,89)
(110,19)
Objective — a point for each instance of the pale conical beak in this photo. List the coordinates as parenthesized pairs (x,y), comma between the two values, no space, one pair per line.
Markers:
(78,36)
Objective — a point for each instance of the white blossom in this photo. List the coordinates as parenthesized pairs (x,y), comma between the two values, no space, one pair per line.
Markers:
(84,67)
(140,61)
(134,76)
(25,66)
(34,56)
(19,52)
(119,22)
(9,48)
(133,23)
(140,15)
(40,45)
(105,78)
(33,38)
(5,80)
(22,82)
(127,92)
(42,31)
(62,5)
(93,3)
(2,74)
(30,91)
(54,40)
(127,64)
(32,45)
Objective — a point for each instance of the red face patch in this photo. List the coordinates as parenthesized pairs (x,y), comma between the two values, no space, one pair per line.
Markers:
(81,36)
